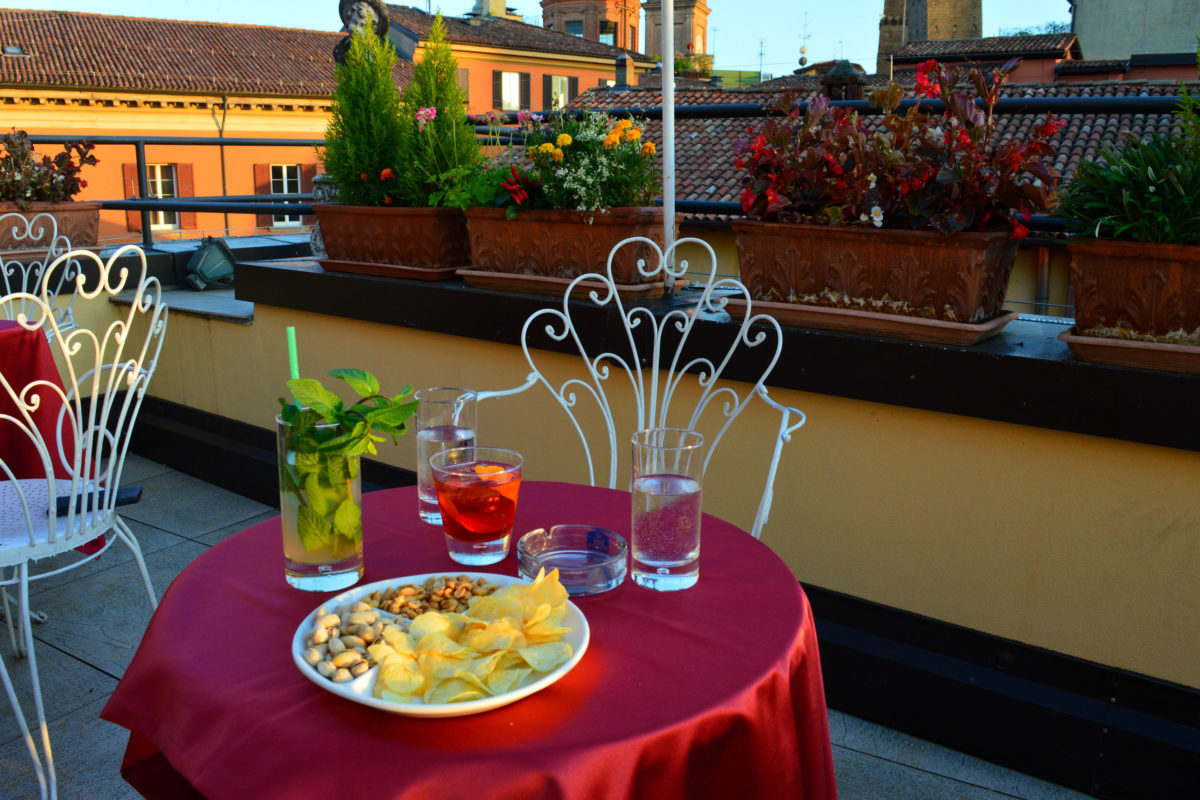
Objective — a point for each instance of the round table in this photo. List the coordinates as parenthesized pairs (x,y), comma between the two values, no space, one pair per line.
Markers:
(711,692)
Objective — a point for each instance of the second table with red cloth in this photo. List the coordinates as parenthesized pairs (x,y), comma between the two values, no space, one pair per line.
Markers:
(25,357)
(712,692)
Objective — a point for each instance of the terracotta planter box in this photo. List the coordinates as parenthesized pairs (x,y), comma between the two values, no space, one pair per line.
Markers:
(562,244)
(402,237)
(1148,289)
(960,278)
(78,221)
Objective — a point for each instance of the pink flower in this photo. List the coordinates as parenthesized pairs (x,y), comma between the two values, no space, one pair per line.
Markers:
(425,116)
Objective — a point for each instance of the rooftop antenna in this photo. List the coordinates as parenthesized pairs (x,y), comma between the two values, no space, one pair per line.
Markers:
(803,42)
(760,58)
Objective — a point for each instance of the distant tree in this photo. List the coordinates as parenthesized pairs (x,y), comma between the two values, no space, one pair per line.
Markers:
(1038,30)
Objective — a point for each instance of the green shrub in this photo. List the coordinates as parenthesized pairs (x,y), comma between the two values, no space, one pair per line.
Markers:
(444,148)
(367,138)
(1144,191)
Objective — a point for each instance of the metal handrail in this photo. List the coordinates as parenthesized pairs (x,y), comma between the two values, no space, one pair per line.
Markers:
(254,204)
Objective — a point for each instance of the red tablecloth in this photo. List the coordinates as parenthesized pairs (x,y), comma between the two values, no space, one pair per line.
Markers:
(25,357)
(713,692)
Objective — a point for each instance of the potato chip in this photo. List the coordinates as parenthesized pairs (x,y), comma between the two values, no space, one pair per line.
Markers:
(430,622)
(545,657)
(504,641)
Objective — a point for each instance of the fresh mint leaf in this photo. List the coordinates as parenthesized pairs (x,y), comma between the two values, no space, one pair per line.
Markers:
(318,495)
(389,417)
(347,520)
(361,381)
(311,393)
(336,470)
(308,463)
(315,531)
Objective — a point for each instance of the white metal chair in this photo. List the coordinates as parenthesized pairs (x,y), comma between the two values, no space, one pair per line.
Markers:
(653,358)
(106,376)
(22,272)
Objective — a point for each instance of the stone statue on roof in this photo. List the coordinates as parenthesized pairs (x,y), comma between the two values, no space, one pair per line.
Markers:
(359,14)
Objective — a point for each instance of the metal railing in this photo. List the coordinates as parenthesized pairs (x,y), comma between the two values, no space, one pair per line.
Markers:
(301,203)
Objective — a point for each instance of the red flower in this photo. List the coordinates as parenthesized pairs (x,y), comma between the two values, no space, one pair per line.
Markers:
(924,85)
(387,174)
(1019,231)
(362,177)
(747,200)
(387,201)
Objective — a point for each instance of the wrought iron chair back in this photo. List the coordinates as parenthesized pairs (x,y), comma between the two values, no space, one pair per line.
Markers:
(105,374)
(24,271)
(654,355)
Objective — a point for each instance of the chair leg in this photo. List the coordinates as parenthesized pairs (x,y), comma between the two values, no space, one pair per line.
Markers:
(126,536)
(45,775)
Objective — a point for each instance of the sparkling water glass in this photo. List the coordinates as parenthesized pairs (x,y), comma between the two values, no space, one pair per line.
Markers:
(668,465)
(445,420)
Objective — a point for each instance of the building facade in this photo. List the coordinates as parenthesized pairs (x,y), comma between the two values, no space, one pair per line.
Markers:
(612,22)
(1118,29)
(691,26)
(905,21)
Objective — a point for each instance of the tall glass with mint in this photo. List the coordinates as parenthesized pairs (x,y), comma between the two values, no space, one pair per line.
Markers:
(320,444)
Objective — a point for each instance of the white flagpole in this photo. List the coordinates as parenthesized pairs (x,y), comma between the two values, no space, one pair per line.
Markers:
(668,128)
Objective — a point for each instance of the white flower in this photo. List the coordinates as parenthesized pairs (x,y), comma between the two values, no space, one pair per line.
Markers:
(863,217)
(877,216)
(872,179)
(936,137)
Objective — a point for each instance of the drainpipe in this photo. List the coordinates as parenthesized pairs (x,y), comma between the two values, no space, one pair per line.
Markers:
(221,135)
(668,116)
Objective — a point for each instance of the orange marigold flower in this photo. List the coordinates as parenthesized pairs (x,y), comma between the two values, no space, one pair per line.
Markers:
(633,134)
(362,177)
(558,154)
(387,174)
(648,149)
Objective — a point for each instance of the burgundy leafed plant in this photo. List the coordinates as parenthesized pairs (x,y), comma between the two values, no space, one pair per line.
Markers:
(25,178)
(947,171)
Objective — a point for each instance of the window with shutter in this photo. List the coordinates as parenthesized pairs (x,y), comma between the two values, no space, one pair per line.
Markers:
(526,80)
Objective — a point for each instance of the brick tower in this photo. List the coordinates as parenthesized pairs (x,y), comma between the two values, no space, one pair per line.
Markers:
(612,22)
(920,20)
(691,26)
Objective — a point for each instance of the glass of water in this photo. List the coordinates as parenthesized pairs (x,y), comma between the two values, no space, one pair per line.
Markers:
(445,421)
(668,465)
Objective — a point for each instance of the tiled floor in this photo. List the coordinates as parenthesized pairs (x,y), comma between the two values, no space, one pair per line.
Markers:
(97,614)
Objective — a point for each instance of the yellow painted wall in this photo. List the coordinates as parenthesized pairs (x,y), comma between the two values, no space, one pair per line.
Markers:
(1079,544)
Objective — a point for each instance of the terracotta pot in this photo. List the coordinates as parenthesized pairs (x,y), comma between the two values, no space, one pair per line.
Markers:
(959,278)
(409,237)
(78,221)
(562,244)
(1137,288)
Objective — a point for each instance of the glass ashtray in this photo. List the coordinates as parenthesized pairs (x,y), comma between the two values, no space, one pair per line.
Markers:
(589,560)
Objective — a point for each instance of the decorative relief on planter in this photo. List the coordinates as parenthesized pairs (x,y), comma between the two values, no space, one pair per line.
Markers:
(410,237)
(79,221)
(960,278)
(1136,290)
(562,244)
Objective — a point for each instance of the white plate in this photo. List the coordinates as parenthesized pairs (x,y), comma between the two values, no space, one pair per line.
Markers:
(360,690)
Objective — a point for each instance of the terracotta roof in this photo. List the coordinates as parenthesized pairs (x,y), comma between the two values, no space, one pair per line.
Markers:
(704,147)
(1091,67)
(813,82)
(507,33)
(96,51)
(990,47)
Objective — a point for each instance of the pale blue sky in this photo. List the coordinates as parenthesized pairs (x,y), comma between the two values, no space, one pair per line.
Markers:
(843,29)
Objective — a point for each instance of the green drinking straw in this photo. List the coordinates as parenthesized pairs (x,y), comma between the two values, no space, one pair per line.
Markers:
(292,360)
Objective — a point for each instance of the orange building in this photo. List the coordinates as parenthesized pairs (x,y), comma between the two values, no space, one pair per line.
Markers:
(75,74)
(505,65)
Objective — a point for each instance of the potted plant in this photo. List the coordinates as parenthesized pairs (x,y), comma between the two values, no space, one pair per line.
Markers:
(1135,267)
(907,227)
(552,209)
(395,160)
(30,185)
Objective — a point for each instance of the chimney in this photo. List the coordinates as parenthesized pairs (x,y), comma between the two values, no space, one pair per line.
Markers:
(622,72)
(843,82)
